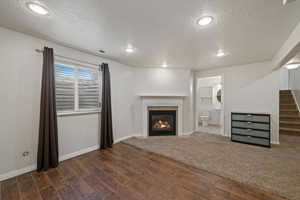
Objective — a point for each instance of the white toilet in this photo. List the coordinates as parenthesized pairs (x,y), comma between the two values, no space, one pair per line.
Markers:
(204,117)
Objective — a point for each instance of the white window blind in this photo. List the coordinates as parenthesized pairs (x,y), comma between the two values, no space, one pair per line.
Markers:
(88,89)
(77,89)
(65,88)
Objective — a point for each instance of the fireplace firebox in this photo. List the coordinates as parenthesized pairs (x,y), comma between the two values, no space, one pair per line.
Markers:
(162,122)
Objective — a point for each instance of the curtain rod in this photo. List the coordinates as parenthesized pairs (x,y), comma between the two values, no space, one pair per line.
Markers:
(74,59)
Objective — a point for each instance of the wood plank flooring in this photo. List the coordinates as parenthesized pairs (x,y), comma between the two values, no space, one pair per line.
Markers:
(126,173)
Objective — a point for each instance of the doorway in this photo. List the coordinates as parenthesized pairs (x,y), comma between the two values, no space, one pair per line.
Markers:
(210,105)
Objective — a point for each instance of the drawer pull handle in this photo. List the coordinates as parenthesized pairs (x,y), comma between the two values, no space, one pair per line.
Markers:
(249,130)
(249,122)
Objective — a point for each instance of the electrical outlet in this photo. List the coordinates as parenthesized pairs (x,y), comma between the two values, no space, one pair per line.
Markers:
(25,153)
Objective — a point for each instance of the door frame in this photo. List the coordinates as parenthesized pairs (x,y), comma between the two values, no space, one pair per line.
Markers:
(222,104)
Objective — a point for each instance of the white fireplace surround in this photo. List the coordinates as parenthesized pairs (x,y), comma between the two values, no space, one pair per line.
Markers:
(161,101)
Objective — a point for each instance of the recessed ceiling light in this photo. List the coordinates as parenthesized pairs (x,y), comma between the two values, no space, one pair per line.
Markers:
(292,65)
(129,49)
(204,21)
(164,65)
(220,53)
(37,8)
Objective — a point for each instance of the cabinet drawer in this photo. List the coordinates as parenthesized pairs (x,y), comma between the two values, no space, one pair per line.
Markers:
(250,132)
(250,125)
(251,140)
(251,118)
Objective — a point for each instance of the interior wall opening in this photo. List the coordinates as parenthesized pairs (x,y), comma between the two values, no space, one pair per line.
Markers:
(210,105)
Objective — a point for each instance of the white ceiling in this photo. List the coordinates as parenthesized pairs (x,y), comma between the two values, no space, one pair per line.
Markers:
(162,30)
(295,59)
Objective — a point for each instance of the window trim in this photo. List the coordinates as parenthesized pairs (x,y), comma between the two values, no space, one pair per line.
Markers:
(72,113)
(76,110)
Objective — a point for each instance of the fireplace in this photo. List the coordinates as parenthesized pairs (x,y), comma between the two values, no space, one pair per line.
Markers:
(162,122)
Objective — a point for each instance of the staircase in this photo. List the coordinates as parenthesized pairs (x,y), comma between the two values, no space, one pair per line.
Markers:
(289,114)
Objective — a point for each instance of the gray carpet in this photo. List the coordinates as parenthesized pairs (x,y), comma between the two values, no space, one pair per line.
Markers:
(275,170)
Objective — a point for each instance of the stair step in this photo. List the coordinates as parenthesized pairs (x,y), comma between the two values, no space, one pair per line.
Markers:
(290,116)
(289,110)
(296,126)
(290,101)
(290,124)
(293,118)
(288,106)
(289,113)
(290,119)
(287,101)
(286,95)
(290,131)
(285,91)
(292,112)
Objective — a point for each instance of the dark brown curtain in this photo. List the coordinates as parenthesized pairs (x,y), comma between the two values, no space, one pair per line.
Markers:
(48,140)
(106,115)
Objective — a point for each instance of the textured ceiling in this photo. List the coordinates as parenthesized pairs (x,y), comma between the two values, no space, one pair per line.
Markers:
(162,30)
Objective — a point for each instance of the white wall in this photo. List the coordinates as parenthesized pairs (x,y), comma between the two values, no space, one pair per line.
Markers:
(297,98)
(162,80)
(294,83)
(250,88)
(284,79)
(165,81)
(289,49)
(20,86)
(294,80)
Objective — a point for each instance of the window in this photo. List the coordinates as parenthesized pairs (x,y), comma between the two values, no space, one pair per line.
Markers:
(88,89)
(77,89)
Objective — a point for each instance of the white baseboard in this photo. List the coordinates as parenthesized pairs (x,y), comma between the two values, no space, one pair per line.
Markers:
(78,153)
(125,138)
(30,168)
(17,172)
(275,142)
(188,133)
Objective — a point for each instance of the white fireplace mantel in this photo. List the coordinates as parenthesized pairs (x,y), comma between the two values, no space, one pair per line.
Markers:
(162,100)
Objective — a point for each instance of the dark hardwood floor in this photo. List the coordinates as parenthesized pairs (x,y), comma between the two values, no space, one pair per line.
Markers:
(126,173)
